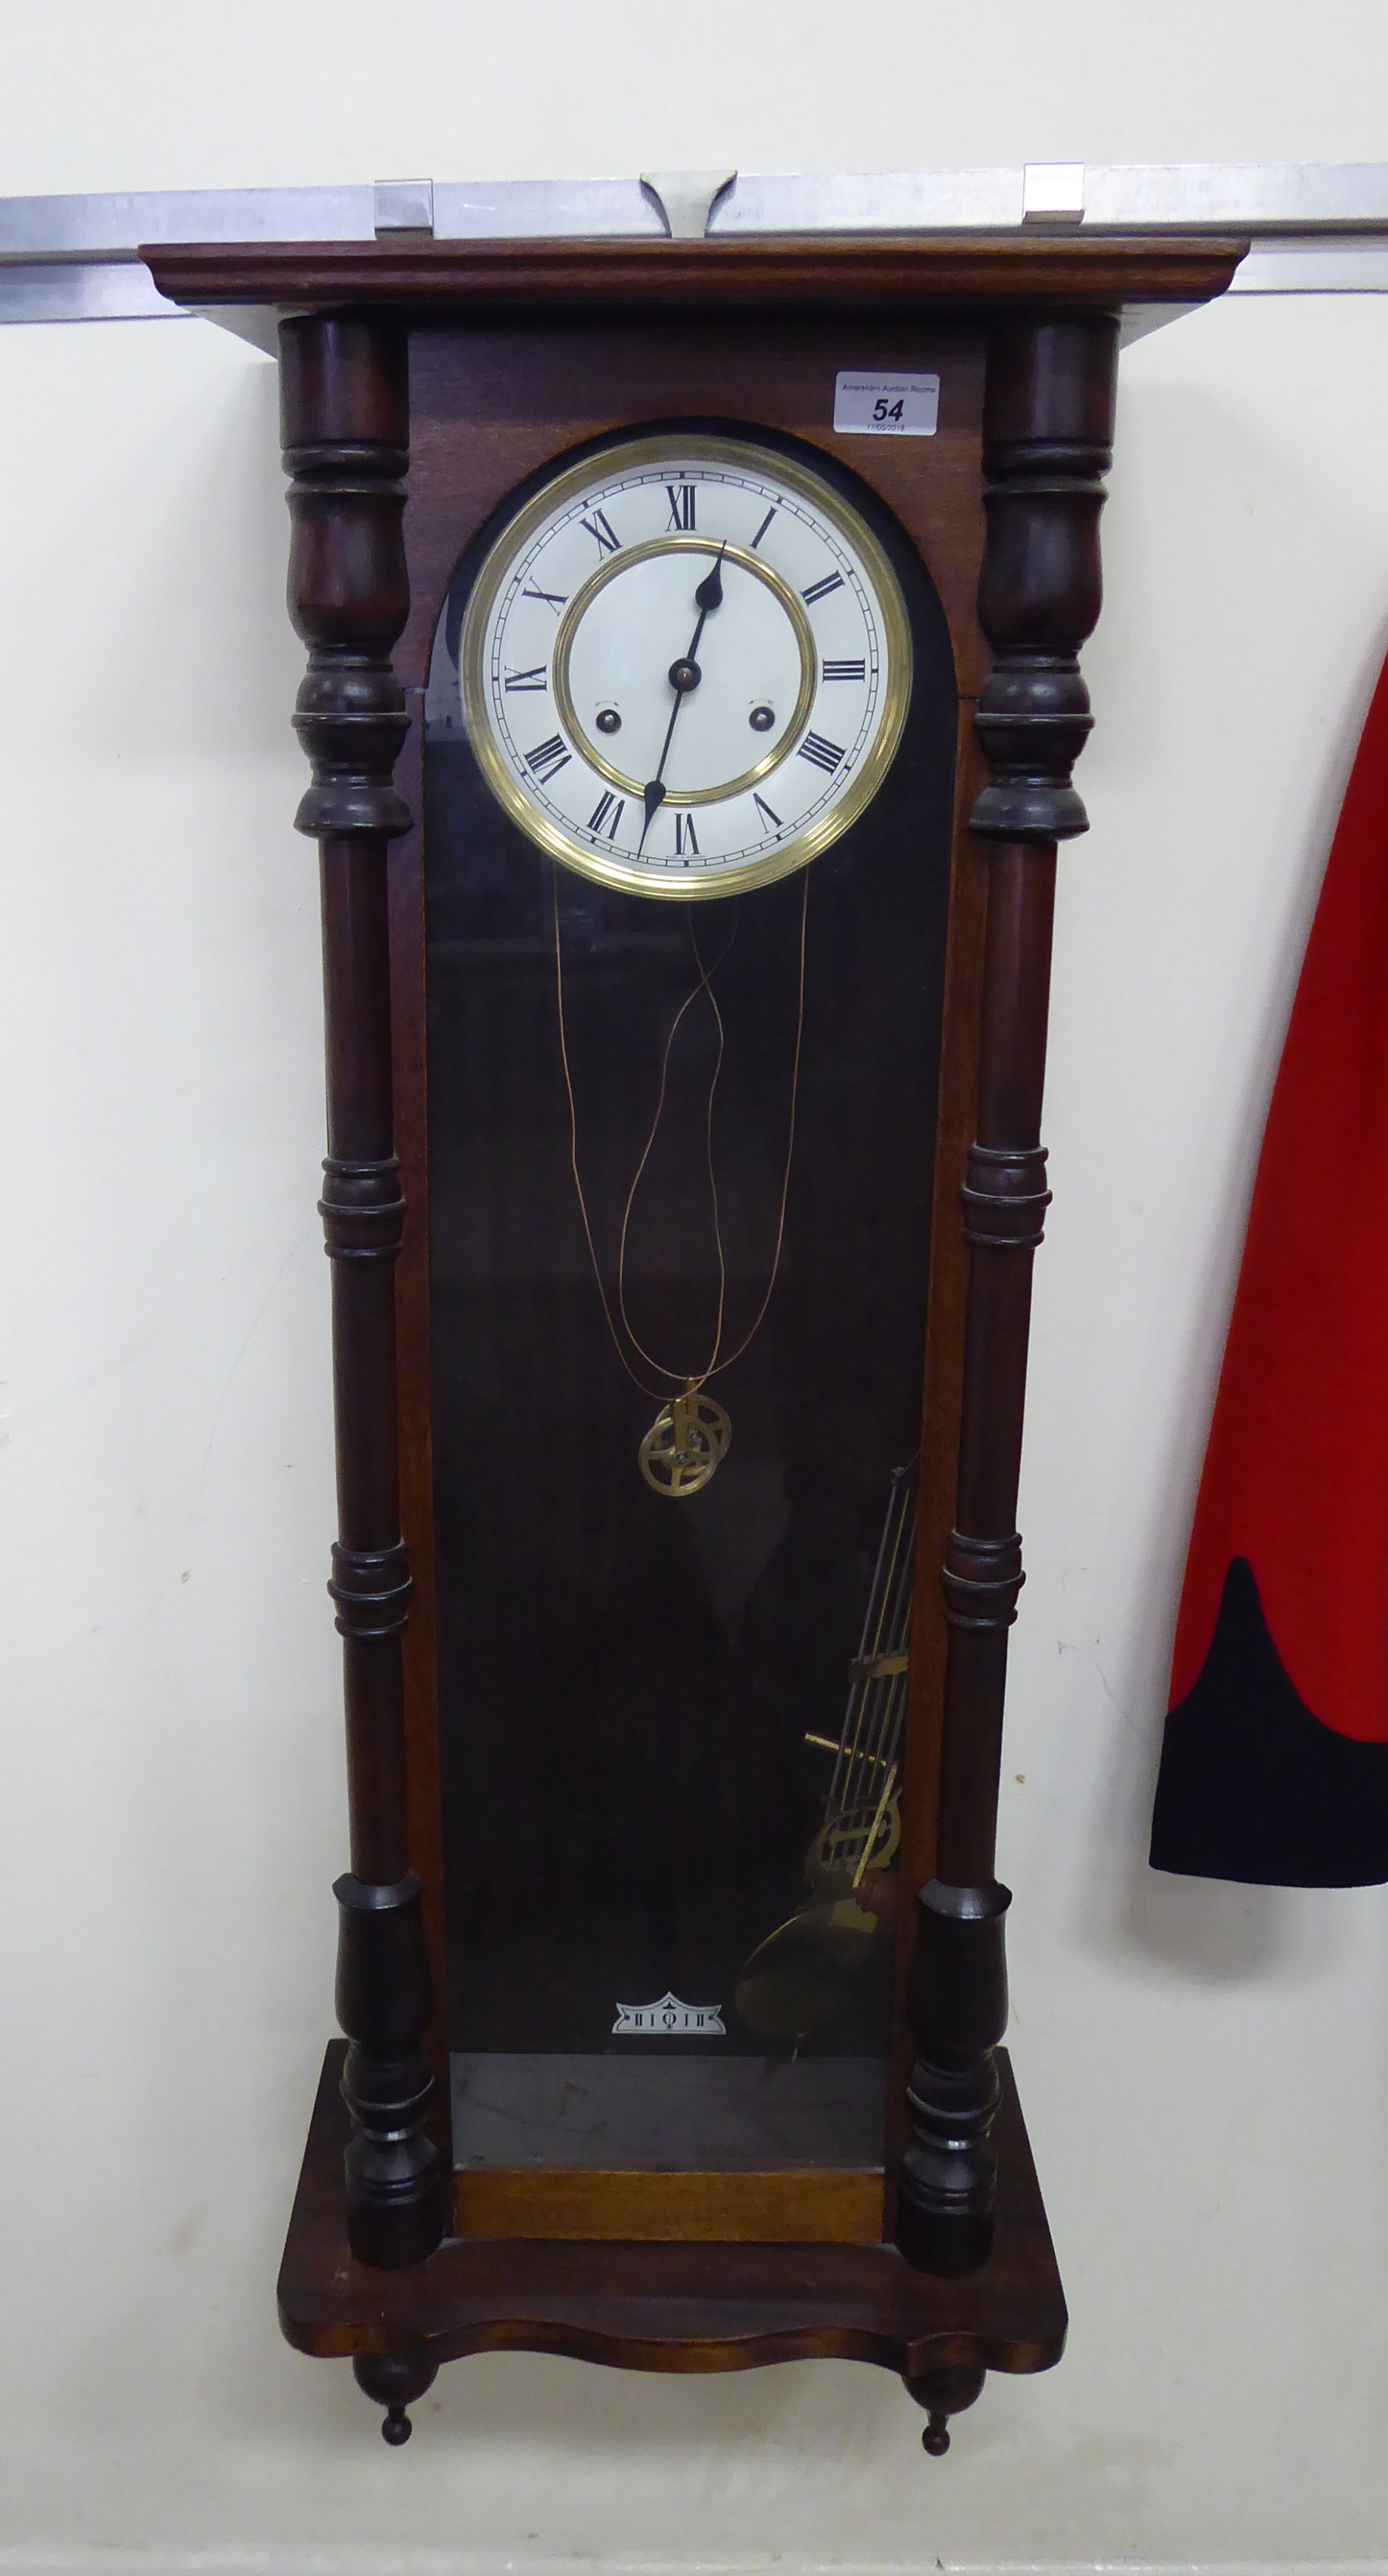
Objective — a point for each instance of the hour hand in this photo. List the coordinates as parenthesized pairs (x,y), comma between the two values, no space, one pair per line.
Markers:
(654,797)
(710,591)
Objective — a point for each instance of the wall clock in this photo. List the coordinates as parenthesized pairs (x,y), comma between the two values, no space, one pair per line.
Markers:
(690,744)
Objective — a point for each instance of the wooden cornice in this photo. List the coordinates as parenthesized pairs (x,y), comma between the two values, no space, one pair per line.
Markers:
(807,274)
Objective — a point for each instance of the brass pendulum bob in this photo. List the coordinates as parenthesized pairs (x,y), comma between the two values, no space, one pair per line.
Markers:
(797,1978)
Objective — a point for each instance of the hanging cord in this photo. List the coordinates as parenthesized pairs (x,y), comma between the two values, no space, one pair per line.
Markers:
(681,1379)
(704,985)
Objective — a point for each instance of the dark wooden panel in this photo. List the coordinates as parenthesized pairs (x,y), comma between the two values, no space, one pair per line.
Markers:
(625,1691)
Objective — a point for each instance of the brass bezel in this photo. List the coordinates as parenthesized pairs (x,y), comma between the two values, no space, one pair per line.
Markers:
(786,857)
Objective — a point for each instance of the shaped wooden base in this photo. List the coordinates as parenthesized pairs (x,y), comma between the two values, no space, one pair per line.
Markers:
(671,2307)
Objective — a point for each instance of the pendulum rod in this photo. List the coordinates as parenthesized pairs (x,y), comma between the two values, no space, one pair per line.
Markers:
(1048,430)
(867,1754)
(860,1760)
(345,411)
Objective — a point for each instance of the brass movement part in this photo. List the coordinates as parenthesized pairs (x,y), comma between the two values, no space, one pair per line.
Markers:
(606,868)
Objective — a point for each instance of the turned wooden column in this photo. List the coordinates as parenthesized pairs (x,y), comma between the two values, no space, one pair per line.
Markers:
(1048,428)
(345,417)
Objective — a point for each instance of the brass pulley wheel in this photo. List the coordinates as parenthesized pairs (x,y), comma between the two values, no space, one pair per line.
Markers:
(684,1445)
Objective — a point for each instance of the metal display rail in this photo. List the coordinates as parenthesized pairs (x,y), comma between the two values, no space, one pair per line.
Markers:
(1317,227)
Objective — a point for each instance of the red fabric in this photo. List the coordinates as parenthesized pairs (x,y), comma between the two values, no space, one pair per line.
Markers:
(1296,1473)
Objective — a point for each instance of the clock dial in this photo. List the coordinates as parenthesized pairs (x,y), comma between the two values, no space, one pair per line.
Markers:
(685,666)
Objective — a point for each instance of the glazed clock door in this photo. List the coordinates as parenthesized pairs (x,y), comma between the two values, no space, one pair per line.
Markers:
(688,764)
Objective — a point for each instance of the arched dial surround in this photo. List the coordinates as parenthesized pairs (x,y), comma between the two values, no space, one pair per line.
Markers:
(685,665)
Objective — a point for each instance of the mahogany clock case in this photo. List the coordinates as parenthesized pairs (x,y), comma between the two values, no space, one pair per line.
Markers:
(422,385)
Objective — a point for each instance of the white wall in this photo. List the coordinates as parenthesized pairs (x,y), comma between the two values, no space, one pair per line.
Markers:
(1205,2068)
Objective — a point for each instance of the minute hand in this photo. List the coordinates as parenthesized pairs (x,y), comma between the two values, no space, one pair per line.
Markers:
(707,597)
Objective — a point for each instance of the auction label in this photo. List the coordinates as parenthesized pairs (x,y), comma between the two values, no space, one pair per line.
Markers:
(887,406)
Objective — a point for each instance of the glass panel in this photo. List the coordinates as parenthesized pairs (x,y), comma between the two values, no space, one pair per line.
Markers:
(670,1726)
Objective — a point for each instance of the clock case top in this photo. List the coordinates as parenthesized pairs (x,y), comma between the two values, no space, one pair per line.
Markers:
(518,352)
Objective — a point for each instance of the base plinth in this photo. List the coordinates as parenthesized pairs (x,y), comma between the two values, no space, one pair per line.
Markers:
(683,2307)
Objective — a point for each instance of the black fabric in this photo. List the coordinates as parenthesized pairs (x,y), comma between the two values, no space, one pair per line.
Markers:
(1252,1786)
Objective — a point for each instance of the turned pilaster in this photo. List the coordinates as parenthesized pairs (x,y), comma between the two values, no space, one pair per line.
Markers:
(345,413)
(1048,427)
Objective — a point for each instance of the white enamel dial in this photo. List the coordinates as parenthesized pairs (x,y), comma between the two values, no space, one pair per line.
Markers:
(685,665)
